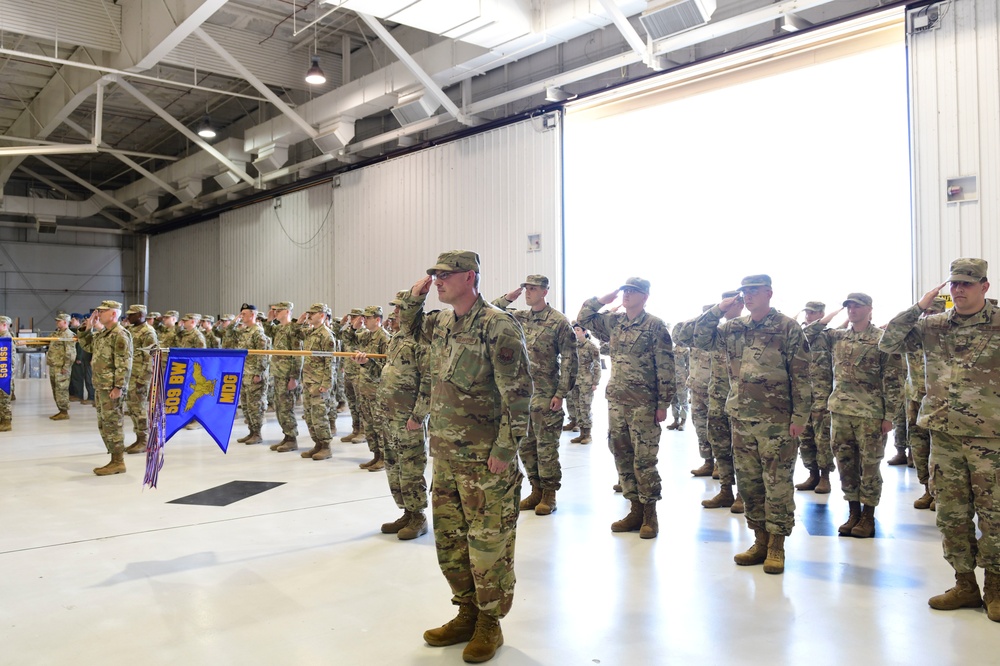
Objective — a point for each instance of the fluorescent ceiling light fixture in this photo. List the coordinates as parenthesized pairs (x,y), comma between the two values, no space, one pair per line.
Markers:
(205,129)
(792,23)
(64,149)
(315,75)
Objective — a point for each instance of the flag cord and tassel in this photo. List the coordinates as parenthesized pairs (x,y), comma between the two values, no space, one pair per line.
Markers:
(154,441)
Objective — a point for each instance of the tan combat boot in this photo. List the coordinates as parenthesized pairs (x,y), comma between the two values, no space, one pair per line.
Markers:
(991,596)
(116,466)
(138,446)
(823,487)
(924,501)
(379,463)
(349,437)
(865,529)
(650,526)
(811,482)
(775,561)
(632,521)
(317,446)
(457,630)
(757,553)
(532,500)
(396,525)
(723,499)
(899,458)
(485,641)
(965,594)
(61,416)
(254,438)
(288,444)
(274,447)
(416,527)
(584,437)
(852,518)
(737,506)
(547,504)
(570,427)
(5,425)
(323,453)
(706,469)
(243,440)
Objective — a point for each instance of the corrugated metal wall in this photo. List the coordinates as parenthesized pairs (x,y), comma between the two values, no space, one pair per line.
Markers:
(955,102)
(376,232)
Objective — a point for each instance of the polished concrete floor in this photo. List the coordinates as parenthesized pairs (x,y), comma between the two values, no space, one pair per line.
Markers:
(102,571)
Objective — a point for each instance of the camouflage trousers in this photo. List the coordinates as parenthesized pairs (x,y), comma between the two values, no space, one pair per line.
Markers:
(253,400)
(634,440)
(814,444)
(578,405)
(475,527)
(859,445)
(371,418)
(341,384)
(60,388)
(316,412)
(764,455)
(539,450)
(110,419)
(284,406)
(920,441)
(406,465)
(137,407)
(699,417)
(900,436)
(964,474)
(679,406)
(721,437)
(353,402)
(5,414)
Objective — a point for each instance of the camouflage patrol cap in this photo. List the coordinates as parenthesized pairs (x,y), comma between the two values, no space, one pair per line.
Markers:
(154,315)
(192,315)
(636,283)
(857,298)
(209,318)
(62,316)
(109,305)
(755,281)
(730,294)
(536,281)
(400,295)
(319,307)
(455,261)
(172,313)
(968,270)
(373,311)
(815,306)
(282,305)
(938,305)
(137,308)
(357,312)
(227,317)
(4,319)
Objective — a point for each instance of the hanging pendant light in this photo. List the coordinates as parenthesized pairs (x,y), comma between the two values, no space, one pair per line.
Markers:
(205,129)
(315,75)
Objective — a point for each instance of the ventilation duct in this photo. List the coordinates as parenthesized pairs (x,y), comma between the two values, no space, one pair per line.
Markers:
(414,107)
(663,19)
(45,224)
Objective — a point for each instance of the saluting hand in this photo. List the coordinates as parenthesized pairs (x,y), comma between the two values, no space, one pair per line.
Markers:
(422,286)
(827,319)
(608,298)
(929,297)
(727,302)
(514,295)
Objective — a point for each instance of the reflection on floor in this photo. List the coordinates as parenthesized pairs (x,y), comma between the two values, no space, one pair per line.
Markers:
(100,570)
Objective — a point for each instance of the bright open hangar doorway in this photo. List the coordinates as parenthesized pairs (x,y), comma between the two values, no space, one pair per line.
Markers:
(803,175)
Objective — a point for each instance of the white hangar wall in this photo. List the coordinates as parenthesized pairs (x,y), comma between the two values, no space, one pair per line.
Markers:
(955,124)
(358,242)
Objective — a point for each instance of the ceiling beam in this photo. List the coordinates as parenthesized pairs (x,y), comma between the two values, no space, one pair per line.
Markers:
(81,182)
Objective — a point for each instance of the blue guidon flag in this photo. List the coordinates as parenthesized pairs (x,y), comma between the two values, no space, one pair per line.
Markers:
(6,364)
(202,385)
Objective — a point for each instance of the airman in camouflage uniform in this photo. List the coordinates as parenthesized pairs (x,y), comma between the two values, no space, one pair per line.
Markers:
(639,394)
(248,334)
(286,373)
(552,352)
(317,378)
(349,330)
(682,369)
(144,341)
(918,437)
(167,331)
(208,332)
(5,413)
(699,376)
(403,394)
(59,358)
(867,389)
(372,339)
(961,409)
(581,398)
(815,447)
(768,406)
(190,336)
(111,346)
(480,399)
